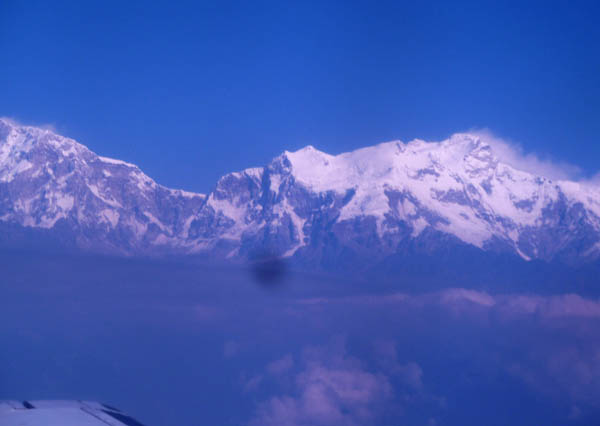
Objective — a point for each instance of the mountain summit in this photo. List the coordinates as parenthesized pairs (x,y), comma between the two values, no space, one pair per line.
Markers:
(369,204)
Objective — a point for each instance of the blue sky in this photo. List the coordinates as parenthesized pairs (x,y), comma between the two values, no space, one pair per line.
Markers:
(192,90)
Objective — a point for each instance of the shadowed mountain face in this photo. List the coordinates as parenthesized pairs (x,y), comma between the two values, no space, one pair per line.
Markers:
(374,206)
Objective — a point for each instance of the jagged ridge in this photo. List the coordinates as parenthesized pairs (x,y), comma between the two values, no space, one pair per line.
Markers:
(374,202)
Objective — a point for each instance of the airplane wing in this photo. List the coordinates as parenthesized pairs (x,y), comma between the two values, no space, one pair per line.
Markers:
(62,413)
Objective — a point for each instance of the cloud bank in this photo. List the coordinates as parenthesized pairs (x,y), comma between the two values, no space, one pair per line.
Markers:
(550,344)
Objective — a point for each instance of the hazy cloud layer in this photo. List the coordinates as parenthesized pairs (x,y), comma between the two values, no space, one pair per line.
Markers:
(457,299)
(451,357)
(548,344)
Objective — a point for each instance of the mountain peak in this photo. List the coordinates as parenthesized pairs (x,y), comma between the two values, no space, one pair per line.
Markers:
(381,198)
(307,157)
(467,143)
(9,125)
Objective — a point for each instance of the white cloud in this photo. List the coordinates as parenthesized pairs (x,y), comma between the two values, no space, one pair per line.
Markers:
(328,386)
(281,366)
(466,300)
(253,383)
(45,126)
(410,373)
(327,395)
(330,389)
(595,179)
(513,154)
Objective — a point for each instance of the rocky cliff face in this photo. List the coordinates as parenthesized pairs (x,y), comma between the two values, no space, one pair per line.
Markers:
(54,184)
(317,208)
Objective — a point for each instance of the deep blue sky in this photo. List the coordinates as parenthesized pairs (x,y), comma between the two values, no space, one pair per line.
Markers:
(192,90)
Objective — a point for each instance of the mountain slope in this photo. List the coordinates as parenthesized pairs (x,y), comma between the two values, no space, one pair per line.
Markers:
(48,181)
(387,200)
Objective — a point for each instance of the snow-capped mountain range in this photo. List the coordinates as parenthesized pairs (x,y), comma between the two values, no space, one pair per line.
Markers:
(371,203)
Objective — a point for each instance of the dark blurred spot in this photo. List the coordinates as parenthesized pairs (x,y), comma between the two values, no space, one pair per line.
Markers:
(269,272)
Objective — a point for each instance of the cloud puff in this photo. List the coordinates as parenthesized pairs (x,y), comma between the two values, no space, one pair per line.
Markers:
(252,384)
(44,126)
(281,366)
(327,396)
(513,154)
(331,388)
(410,373)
